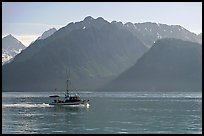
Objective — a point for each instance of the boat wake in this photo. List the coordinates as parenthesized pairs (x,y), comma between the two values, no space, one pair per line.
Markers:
(27,105)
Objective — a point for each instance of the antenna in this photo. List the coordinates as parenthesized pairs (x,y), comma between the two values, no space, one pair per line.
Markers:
(69,78)
(67,82)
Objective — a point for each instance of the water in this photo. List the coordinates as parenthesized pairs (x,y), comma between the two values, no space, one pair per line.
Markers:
(108,113)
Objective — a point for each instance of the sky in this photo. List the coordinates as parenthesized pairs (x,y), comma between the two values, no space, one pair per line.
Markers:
(28,20)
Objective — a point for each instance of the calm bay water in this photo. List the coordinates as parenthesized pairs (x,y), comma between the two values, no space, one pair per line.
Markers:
(109,112)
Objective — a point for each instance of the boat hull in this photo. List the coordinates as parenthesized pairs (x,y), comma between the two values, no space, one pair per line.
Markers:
(71,104)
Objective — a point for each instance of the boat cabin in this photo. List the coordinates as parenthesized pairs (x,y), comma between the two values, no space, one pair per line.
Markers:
(73,99)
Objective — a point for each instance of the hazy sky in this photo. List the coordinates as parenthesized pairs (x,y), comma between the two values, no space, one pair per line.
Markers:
(28,20)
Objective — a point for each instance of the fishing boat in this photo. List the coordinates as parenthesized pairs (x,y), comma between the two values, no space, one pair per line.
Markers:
(70,98)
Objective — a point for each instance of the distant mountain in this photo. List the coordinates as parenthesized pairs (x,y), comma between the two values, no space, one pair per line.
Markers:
(47,33)
(170,65)
(95,50)
(149,32)
(10,48)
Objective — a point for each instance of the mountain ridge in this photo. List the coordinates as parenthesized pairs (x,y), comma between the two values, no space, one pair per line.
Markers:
(95,50)
(50,57)
(47,33)
(170,65)
(11,46)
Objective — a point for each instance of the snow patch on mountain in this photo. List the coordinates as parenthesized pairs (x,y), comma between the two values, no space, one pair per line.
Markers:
(10,48)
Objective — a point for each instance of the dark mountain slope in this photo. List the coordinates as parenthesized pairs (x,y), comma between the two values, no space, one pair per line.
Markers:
(170,65)
(94,54)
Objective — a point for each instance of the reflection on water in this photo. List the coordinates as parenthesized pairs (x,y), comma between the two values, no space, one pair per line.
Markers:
(69,109)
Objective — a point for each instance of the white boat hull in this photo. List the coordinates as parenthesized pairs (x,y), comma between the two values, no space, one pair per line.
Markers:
(71,104)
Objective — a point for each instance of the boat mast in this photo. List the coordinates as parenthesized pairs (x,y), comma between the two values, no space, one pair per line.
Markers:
(67,84)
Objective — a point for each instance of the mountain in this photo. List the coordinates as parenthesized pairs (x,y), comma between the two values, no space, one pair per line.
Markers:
(169,65)
(94,50)
(10,48)
(149,32)
(200,36)
(47,33)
